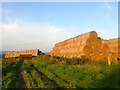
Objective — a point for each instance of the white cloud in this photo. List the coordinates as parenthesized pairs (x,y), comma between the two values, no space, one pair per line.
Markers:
(108,7)
(18,36)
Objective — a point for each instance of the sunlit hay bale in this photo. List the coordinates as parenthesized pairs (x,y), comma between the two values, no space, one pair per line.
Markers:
(63,51)
(86,42)
(114,45)
(115,40)
(71,56)
(78,43)
(69,51)
(58,44)
(7,55)
(104,56)
(70,40)
(74,56)
(105,42)
(95,56)
(74,39)
(97,42)
(70,45)
(105,49)
(91,34)
(12,54)
(16,54)
(113,57)
(64,56)
(83,50)
(114,50)
(66,46)
(96,49)
(84,56)
(67,56)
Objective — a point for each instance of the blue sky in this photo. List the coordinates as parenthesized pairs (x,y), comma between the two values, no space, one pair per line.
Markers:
(41,25)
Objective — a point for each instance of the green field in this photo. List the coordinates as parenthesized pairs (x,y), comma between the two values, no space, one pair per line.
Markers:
(53,72)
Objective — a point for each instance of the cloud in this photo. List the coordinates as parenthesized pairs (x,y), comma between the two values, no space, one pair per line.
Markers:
(108,7)
(33,35)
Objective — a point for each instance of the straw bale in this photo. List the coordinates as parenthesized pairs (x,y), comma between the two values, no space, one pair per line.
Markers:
(115,40)
(84,56)
(92,34)
(115,50)
(87,42)
(74,39)
(113,57)
(96,49)
(83,50)
(74,56)
(80,37)
(78,43)
(105,49)
(104,56)
(114,45)
(97,42)
(95,56)
(105,41)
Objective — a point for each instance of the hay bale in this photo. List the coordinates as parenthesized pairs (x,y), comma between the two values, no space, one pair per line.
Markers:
(114,45)
(87,42)
(97,42)
(84,56)
(75,39)
(83,50)
(104,56)
(26,55)
(113,57)
(91,34)
(105,49)
(95,56)
(96,49)
(115,40)
(114,50)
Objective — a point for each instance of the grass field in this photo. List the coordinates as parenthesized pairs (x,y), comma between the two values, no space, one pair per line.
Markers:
(54,72)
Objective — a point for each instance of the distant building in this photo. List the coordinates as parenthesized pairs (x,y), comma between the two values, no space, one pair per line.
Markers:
(24,53)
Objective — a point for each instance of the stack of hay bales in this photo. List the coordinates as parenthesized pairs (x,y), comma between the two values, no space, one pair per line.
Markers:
(114,45)
(22,53)
(86,46)
(11,54)
(104,52)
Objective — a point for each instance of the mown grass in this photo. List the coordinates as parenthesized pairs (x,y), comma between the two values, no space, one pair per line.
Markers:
(72,73)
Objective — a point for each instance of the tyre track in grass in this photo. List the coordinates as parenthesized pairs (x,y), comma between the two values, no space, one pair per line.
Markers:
(62,80)
(46,79)
(20,83)
(16,79)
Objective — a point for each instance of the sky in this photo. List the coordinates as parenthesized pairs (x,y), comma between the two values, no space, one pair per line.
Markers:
(31,25)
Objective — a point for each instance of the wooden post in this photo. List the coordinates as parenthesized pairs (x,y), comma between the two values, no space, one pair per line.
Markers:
(109,61)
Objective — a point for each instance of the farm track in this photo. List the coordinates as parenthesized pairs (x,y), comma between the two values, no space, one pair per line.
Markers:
(59,77)
(45,78)
(20,83)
